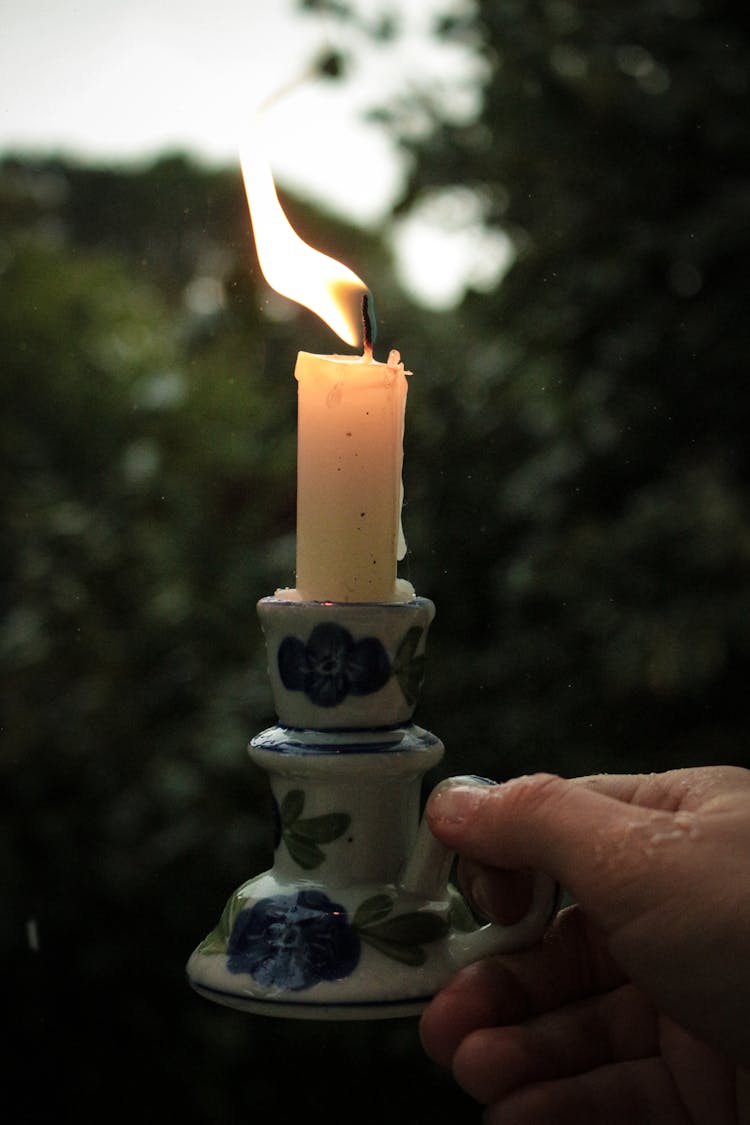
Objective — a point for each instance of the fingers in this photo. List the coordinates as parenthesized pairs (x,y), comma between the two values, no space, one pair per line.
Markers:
(496,894)
(595,844)
(672,790)
(479,996)
(705,1078)
(520,823)
(556,1034)
(571,963)
(620,1094)
(618,1026)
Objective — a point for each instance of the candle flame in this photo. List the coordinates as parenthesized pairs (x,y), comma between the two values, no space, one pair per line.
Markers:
(291,266)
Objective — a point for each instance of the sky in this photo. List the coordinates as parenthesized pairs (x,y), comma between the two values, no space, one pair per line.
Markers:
(125,80)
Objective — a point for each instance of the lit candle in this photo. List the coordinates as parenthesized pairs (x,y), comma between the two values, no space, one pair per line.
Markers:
(350,426)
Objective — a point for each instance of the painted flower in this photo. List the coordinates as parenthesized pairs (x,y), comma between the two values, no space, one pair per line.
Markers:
(332,665)
(293,941)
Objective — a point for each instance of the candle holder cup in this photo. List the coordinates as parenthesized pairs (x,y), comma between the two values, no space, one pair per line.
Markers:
(356,919)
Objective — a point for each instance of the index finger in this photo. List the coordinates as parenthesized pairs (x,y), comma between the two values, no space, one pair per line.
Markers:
(671,790)
(593,843)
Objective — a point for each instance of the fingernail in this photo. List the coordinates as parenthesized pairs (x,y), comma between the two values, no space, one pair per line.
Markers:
(455,803)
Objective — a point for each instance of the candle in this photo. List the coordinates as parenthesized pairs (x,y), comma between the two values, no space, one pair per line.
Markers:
(350,426)
(350,451)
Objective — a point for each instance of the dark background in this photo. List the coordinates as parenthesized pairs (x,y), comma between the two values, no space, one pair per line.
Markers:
(577,507)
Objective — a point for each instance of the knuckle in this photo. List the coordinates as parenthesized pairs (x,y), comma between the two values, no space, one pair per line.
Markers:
(532,793)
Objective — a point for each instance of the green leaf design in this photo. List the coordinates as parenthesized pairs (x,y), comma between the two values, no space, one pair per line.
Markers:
(216,941)
(213,943)
(291,807)
(400,936)
(323,829)
(372,910)
(410,929)
(302,836)
(408,668)
(406,954)
(303,850)
(407,648)
(411,684)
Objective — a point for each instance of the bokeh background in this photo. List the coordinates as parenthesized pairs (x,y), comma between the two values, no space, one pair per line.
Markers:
(559,248)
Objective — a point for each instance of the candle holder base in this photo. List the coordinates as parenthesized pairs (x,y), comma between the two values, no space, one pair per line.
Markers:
(356,919)
(325,934)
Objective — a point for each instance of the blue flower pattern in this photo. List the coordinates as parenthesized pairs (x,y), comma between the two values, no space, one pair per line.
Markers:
(332,665)
(293,941)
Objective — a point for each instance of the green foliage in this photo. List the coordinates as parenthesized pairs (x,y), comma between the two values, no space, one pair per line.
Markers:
(592,464)
(148,462)
(408,668)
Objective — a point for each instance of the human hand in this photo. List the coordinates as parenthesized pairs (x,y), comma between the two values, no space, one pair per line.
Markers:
(636,1006)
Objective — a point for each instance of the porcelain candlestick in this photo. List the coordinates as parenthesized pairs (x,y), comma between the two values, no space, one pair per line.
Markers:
(356,919)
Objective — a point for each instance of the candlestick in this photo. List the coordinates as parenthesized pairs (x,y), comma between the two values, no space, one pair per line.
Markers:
(356,918)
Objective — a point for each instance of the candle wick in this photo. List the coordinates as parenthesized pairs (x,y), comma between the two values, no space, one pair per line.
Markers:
(366,326)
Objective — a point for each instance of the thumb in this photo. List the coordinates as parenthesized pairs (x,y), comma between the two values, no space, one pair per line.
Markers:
(594,844)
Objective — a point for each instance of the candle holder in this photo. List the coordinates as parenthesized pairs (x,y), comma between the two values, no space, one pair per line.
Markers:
(356,919)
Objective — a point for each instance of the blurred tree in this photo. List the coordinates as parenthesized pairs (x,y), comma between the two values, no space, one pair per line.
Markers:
(147,461)
(593,589)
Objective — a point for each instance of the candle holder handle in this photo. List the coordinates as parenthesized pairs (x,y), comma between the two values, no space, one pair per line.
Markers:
(428,872)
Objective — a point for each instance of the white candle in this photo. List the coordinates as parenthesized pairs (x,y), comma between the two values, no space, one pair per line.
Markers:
(350,419)
(349,466)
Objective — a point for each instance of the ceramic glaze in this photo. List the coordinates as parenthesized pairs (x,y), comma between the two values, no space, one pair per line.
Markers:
(353,665)
(356,918)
